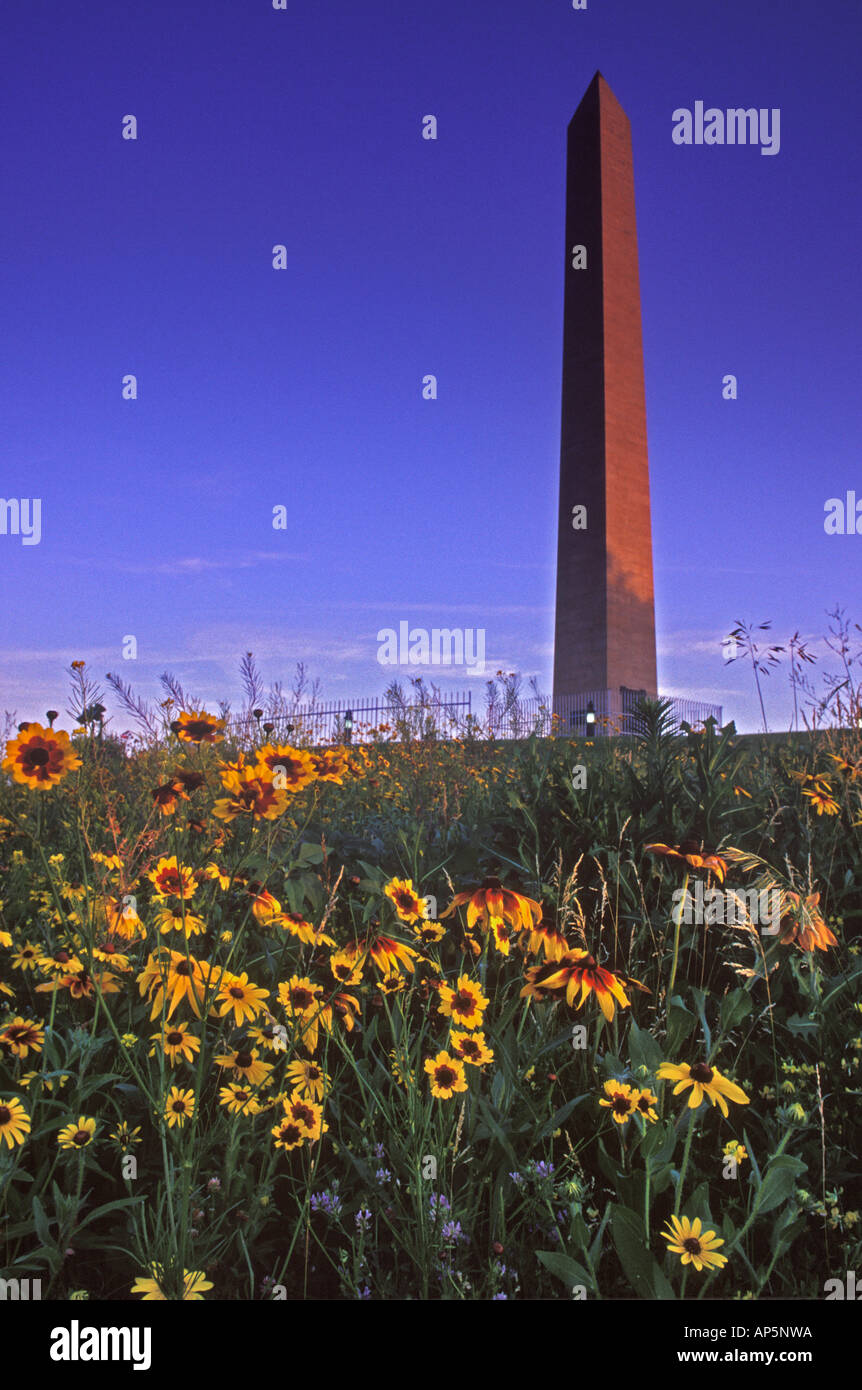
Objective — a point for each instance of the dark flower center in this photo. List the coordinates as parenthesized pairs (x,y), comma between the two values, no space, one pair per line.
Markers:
(38,757)
(5,1115)
(445,1076)
(244,1059)
(236,992)
(183,968)
(702,1073)
(621,1105)
(81,1136)
(692,1245)
(174,1039)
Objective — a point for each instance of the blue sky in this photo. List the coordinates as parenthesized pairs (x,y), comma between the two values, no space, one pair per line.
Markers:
(302,388)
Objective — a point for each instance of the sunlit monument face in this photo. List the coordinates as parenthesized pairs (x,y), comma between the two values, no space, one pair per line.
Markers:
(605,618)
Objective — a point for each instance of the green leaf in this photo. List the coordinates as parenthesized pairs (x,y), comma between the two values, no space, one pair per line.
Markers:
(562,1267)
(644,1051)
(778,1183)
(556,1120)
(734,1008)
(41,1223)
(638,1264)
(699,997)
(494,1127)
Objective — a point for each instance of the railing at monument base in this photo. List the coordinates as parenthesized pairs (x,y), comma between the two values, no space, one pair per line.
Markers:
(444,717)
(616,713)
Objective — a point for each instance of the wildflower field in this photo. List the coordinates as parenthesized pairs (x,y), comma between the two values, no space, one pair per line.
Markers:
(430,1019)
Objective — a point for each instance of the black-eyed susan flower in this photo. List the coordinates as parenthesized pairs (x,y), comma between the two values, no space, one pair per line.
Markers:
(292,769)
(704,1081)
(307,1079)
(346,966)
(447,1075)
(173,880)
(240,1100)
(546,938)
(40,758)
(621,1100)
(646,1104)
(251,792)
(471,1048)
(21,1036)
(61,962)
(108,953)
(126,1136)
(300,998)
(464,1004)
(288,1134)
(578,970)
(296,925)
(821,798)
(5,938)
(406,901)
(179,1106)
(216,874)
(237,993)
(169,975)
(429,933)
(492,900)
(694,1245)
(26,956)
(331,765)
(77,1135)
(693,855)
(178,918)
(197,726)
(178,1044)
(14,1121)
(246,1063)
(307,1115)
(152,1289)
(802,924)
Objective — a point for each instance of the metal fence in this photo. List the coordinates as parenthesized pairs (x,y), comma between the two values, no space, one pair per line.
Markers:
(593,714)
(369,720)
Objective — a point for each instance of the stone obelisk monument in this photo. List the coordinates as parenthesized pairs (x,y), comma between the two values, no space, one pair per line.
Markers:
(605,620)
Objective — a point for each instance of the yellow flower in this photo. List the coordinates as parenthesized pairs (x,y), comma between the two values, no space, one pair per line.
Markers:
(172,879)
(21,1036)
(646,1104)
(14,1122)
(237,993)
(199,727)
(621,1100)
(40,758)
(409,906)
(695,1247)
(465,1004)
(178,1044)
(447,1075)
(77,1136)
(195,1283)
(308,1079)
(179,1107)
(26,956)
(704,1081)
(493,901)
(471,1048)
(821,798)
(735,1150)
(240,1100)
